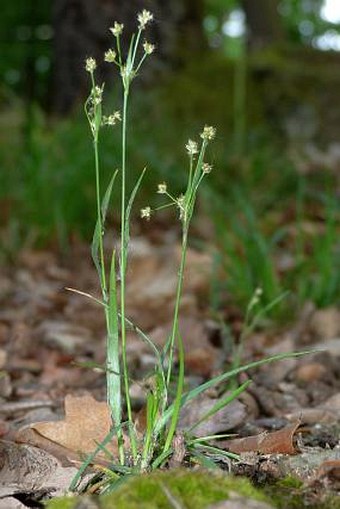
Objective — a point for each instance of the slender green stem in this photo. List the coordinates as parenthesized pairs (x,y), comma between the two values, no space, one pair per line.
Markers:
(123,260)
(178,300)
(135,49)
(190,171)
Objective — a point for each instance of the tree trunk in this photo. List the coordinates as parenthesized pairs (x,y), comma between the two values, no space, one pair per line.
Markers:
(264,24)
(81,29)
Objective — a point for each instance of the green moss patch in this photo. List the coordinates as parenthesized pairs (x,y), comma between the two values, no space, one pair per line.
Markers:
(163,490)
(190,490)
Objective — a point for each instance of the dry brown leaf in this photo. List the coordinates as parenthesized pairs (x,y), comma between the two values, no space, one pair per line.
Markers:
(25,468)
(330,469)
(86,423)
(277,442)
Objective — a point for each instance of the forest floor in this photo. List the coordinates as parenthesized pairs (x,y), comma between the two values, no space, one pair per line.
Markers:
(51,339)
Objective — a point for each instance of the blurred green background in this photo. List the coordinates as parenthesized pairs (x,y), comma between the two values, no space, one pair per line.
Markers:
(266,73)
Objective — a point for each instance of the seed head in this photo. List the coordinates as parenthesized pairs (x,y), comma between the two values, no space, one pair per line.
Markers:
(97,95)
(112,119)
(148,47)
(181,205)
(90,64)
(144,18)
(110,56)
(191,147)
(208,133)
(206,168)
(117,29)
(145,213)
(162,188)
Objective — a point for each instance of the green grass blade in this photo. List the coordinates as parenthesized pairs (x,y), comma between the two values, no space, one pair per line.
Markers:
(90,458)
(203,460)
(97,233)
(218,452)
(144,337)
(207,438)
(158,462)
(129,209)
(113,378)
(225,376)
(221,404)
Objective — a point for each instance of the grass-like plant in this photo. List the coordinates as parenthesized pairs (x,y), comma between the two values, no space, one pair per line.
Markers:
(142,451)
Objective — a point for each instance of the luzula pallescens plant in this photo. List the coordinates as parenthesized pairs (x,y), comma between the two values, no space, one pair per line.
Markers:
(152,447)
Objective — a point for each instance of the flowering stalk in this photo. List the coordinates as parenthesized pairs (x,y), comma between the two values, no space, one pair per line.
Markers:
(93,109)
(128,71)
(186,205)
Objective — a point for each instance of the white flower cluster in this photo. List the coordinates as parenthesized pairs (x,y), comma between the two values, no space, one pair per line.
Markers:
(144,18)
(117,29)
(110,56)
(90,64)
(148,47)
(192,147)
(208,133)
(97,95)
(145,213)
(206,168)
(162,188)
(112,119)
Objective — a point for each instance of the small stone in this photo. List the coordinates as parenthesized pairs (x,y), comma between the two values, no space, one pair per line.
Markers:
(325,323)
(310,372)
(3,358)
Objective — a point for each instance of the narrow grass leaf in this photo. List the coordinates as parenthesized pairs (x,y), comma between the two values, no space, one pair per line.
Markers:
(203,460)
(129,209)
(144,337)
(159,461)
(75,481)
(225,376)
(221,404)
(113,356)
(97,233)
(218,453)
(207,438)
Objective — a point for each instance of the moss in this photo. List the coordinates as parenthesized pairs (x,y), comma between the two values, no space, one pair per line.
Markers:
(190,489)
(62,503)
(291,493)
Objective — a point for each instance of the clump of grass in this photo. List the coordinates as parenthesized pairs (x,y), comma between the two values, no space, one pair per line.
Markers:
(151,448)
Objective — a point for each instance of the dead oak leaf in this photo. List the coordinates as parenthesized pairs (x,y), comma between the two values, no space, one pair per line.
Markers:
(87,422)
(277,442)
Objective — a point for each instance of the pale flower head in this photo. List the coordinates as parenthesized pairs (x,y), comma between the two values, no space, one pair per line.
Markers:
(255,298)
(206,167)
(208,133)
(110,56)
(144,18)
(192,147)
(162,188)
(113,118)
(97,95)
(145,213)
(117,29)
(181,205)
(148,47)
(90,64)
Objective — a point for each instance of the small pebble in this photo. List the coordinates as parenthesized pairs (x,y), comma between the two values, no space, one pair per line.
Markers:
(310,372)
